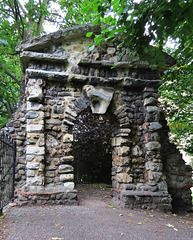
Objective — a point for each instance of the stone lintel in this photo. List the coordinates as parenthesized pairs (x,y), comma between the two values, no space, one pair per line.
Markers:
(48,75)
(28,56)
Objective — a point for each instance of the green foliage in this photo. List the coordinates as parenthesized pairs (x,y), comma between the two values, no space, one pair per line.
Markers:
(17,23)
(137,25)
(176,92)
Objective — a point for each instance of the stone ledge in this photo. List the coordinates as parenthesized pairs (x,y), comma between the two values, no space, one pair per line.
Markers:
(143,193)
(44,41)
(124,81)
(27,56)
(48,75)
(65,197)
(144,200)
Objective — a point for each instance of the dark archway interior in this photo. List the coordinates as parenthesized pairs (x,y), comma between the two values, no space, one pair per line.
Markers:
(92,148)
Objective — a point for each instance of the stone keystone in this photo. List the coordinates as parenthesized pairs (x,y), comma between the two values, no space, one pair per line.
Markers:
(100,98)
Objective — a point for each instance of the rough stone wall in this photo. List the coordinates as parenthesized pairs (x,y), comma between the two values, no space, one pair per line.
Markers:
(63,79)
(16,127)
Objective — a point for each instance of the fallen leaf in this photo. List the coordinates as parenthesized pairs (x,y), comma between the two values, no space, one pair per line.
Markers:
(140,223)
(181,221)
(151,215)
(175,229)
(130,214)
(57,224)
(120,214)
(169,225)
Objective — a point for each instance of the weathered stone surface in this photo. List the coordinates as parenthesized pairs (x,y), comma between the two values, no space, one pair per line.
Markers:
(69,185)
(35,93)
(118,141)
(31,115)
(35,150)
(154,166)
(30,173)
(136,151)
(155,126)
(150,101)
(33,106)
(32,166)
(124,178)
(152,109)
(35,128)
(65,168)
(100,98)
(51,141)
(66,177)
(151,146)
(68,138)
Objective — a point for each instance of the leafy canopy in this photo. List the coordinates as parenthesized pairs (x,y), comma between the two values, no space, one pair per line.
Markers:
(137,24)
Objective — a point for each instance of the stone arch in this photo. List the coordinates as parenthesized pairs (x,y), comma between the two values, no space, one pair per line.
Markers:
(120,138)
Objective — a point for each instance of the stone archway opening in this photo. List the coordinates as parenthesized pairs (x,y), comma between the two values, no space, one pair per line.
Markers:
(92,148)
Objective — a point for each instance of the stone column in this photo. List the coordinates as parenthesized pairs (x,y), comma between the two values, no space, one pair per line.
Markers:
(35,149)
(156,180)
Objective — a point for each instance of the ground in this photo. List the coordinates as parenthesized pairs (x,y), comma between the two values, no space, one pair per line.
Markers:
(96,217)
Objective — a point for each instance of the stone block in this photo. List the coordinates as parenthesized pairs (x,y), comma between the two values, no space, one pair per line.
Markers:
(157,167)
(68,138)
(136,151)
(33,150)
(65,159)
(31,115)
(152,109)
(35,128)
(69,185)
(65,168)
(66,177)
(35,93)
(33,106)
(32,166)
(30,173)
(118,141)
(155,126)
(53,122)
(37,181)
(51,141)
(124,178)
(150,101)
(153,146)
(163,186)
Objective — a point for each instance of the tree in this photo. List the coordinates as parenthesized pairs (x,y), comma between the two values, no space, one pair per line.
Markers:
(17,22)
(141,24)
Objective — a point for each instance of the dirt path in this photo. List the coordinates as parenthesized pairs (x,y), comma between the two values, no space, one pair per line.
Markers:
(95,218)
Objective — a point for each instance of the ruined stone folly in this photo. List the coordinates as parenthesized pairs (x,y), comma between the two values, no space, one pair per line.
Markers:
(89,115)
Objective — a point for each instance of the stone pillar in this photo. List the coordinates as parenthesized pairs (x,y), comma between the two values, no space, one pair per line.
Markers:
(35,149)
(155,179)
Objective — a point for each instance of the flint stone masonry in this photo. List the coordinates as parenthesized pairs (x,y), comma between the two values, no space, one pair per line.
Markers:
(64,80)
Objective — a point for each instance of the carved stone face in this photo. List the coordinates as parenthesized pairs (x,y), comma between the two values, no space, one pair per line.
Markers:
(100,98)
